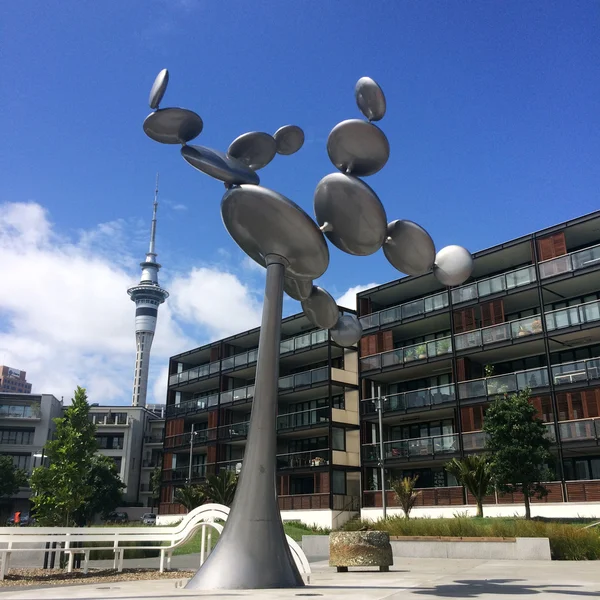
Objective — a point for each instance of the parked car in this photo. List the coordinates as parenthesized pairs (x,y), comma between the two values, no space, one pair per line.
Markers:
(149,519)
(117,517)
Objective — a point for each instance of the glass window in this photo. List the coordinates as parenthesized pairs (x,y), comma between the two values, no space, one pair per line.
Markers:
(582,469)
(339,482)
(338,438)
(595,464)
(338,401)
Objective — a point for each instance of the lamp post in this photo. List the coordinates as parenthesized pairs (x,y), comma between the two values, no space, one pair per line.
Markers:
(379,406)
(192,435)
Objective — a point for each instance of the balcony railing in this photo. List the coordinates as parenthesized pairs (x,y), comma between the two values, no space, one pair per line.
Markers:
(181,474)
(201,436)
(503,384)
(424,398)
(303,418)
(588,257)
(196,404)
(303,501)
(577,371)
(233,431)
(150,464)
(408,354)
(474,441)
(199,372)
(573,315)
(432,446)
(577,430)
(306,340)
(20,411)
(405,311)
(238,394)
(153,439)
(303,379)
(494,285)
(310,458)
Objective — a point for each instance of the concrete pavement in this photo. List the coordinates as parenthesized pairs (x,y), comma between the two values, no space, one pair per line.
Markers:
(409,579)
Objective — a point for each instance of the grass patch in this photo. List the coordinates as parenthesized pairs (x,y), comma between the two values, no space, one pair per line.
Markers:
(567,541)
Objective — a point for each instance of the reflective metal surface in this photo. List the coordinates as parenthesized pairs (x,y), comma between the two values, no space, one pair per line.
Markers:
(173,125)
(159,87)
(347,331)
(289,139)
(409,248)
(356,217)
(255,149)
(219,165)
(298,289)
(370,99)
(253,552)
(358,147)
(262,222)
(453,265)
(321,309)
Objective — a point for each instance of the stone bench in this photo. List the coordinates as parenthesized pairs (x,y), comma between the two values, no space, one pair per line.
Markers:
(360,549)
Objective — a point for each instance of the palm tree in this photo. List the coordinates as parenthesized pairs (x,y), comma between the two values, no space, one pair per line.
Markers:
(190,496)
(221,488)
(474,473)
(406,493)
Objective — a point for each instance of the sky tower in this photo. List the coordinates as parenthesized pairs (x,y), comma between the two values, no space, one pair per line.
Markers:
(147,295)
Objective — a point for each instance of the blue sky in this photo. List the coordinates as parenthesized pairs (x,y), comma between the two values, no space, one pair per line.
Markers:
(493,119)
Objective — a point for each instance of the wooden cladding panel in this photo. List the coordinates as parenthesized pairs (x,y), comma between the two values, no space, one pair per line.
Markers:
(463,369)
(464,320)
(323,483)
(472,417)
(167,460)
(174,427)
(364,307)
(583,491)
(543,404)
(215,353)
(213,418)
(552,246)
(492,313)
(584,404)
(381,341)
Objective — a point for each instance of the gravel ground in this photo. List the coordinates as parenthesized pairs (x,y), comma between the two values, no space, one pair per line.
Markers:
(26,577)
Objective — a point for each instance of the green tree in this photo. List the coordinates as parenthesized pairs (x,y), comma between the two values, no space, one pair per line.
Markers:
(190,496)
(406,495)
(62,489)
(107,490)
(474,473)
(155,483)
(221,488)
(11,478)
(519,447)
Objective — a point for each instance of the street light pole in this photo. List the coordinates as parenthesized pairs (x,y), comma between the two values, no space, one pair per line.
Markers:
(381,452)
(192,434)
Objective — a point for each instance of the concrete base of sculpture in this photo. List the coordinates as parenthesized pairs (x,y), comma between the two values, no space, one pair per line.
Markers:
(360,549)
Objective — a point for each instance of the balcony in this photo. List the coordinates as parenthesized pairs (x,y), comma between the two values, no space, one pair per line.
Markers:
(568,263)
(494,285)
(424,447)
(573,316)
(233,431)
(303,460)
(153,439)
(504,332)
(195,405)
(580,371)
(474,441)
(504,384)
(200,372)
(241,394)
(303,379)
(426,398)
(201,437)
(304,418)
(30,412)
(151,464)
(301,342)
(409,354)
(406,311)
(577,430)
(181,474)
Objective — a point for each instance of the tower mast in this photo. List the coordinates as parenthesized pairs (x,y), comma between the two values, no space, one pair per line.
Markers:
(148,296)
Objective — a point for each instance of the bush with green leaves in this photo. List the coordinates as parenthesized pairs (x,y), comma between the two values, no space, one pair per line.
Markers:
(474,473)
(406,495)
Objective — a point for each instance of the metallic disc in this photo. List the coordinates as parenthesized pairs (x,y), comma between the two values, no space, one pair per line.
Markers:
(289,139)
(159,87)
(298,289)
(347,331)
(262,222)
(356,217)
(409,248)
(255,149)
(370,99)
(321,309)
(219,165)
(358,147)
(173,125)
(453,265)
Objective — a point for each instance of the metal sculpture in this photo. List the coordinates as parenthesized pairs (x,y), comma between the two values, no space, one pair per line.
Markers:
(252,552)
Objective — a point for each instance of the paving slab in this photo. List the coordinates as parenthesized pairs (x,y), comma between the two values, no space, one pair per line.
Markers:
(409,579)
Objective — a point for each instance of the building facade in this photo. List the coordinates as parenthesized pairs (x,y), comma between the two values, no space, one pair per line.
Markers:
(434,358)
(209,401)
(14,381)
(26,424)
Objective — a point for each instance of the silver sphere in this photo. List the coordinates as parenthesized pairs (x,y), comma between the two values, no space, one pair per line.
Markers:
(173,125)
(255,149)
(347,331)
(289,139)
(409,248)
(219,165)
(298,289)
(321,309)
(453,265)
(370,99)
(159,87)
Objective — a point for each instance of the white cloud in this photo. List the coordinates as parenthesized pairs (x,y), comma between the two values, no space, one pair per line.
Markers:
(348,298)
(66,319)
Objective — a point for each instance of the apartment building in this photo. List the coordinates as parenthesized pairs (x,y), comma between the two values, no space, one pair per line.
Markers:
(26,424)
(14,381)
(432,359)
(209,401)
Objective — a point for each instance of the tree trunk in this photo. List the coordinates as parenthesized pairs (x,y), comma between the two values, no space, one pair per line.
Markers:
(527,506)
(479,507)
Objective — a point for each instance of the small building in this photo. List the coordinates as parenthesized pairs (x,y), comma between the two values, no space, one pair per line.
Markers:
(14,381)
